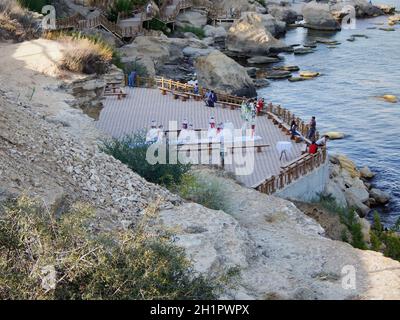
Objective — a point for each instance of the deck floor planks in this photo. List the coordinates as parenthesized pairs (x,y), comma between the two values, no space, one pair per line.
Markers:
(142,105)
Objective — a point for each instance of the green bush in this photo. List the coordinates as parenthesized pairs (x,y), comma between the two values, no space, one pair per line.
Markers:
(197,31)
(348,218)
(123,6)
(156,24)
(34,5)
(132,150)
(387,241)
(49,256)
(205,191)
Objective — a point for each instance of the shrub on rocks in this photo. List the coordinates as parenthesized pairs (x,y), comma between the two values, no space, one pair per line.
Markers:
(204,191)
(44,255)
(131,150)
(386,241)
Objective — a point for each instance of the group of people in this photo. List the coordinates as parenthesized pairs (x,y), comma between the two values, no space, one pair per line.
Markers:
(315,144)
(155,133)
(249,110)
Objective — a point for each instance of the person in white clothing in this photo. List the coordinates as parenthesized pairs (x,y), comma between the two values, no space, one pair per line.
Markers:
(152,134)
(322,141)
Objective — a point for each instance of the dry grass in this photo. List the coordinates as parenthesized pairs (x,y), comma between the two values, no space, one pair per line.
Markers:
(83,54)
(12,10)
(15,22)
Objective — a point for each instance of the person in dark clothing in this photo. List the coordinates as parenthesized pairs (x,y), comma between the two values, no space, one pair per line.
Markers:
(293,129)
(313,129)
(212,99)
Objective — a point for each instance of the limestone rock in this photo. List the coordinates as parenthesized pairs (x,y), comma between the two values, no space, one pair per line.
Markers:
(380,196)
(366,173)
(362,8)
(251,35)
(219,72)
(155,52)
(333,135)
(348,165)
(191,18)
(318,16)
(309,74)
(214,32)
(353,202)
(390,98)
(282,13)
(262,60)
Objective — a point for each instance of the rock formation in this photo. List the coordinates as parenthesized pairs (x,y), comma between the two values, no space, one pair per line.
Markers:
(318,16)
(222,73)
(253,33)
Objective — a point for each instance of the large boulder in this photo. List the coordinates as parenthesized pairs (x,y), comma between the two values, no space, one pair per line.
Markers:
(362,8)
(379,196)
(282,13)
(242,5)
(219,72)
(253,33)
(214,32)
(154,52)
(191,18)
(318,16)
(366,173)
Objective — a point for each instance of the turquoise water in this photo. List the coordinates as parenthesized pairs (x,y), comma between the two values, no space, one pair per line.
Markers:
(345,99)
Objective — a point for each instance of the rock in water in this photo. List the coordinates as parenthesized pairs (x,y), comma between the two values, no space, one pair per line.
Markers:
(302,50)
(366,173)
(318,16)
(262,60)
(278,74)
(390,98)
(380,196)
(333,135)
(387,29)
(309,74)
(297,79)
(287,68)
(219,72)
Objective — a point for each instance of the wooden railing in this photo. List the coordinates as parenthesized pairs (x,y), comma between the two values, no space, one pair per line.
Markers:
(183,4)
(292,172)
(287,116)
(184,87)
(100,20)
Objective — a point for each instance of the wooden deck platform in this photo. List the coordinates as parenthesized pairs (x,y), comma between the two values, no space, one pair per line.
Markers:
(142,105)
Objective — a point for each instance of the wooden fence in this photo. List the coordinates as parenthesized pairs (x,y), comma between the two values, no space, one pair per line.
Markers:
(287,116)
(295,170)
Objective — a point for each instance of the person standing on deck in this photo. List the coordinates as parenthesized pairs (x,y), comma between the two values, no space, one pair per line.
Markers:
(253,114)
(212,99)
(196,89)
(212,131)
(207,97)
(260,105)
(152,134)
(313,128)
(293,129)
(322,141)
(132,79)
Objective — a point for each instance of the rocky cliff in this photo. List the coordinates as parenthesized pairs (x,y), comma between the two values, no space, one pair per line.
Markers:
(50,151)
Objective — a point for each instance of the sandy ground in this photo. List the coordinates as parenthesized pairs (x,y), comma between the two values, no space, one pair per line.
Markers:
(29,72)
